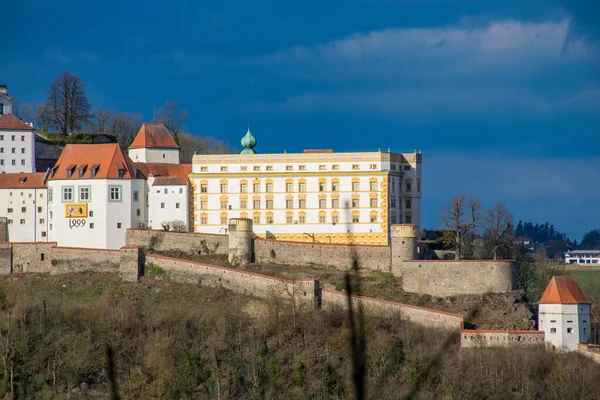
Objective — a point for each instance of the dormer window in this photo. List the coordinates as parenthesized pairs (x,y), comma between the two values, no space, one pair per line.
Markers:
(22,180)
(94,170)
(121,172)
(70,170)
(81,170)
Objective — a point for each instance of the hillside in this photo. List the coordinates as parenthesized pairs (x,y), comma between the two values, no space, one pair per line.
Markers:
(186,341)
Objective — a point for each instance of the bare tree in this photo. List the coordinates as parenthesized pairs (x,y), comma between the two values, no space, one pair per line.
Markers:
(498,230)
(173,118)
(190,145)
(124,126)
(67,108)
(459,222)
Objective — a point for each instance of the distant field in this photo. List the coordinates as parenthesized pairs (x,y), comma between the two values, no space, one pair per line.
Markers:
(589,280)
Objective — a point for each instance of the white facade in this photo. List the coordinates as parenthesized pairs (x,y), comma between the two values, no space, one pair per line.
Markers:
(167,203)
(26,210)
(17,151)
(155,155)
(583,257)
(113,206)
(311,196)
(565,325)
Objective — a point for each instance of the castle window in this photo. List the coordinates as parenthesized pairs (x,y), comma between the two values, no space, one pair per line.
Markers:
(322,219)
(355,218)
(176,206)
(373,203)
(84,193)
(408,219)
(393,201)
(243,168)
(223,204)
(269,219)
(67,193)
(203,220)
(321,186)
(289,168)
(301,219)
(373,186)
(322,203)
(243,187)
(136,196)
(256,219)
(393,167)
(256,188)
(256,168)
(269,168)
(407,167)
(335,219)
(373,218)
(322,167)
(2,113)
(569,330)
(408,204)
(269,188)
(335,167)
(114,193)
(39,209)
(204,169)
(22,150)
(355,187)
(335,203)
(335,186)
(10,210)
(289,204)
(223,169)
(162,205)
(243,204)
(355,166)
(256,204)
(22,222)
(408,186)
(355,203)
(224,219)
(139,212)
(289,219)
(204,205)
(269,204)
(302,203)
(373,166)
(289,187)
(302,167)
(121,172)
(223,188)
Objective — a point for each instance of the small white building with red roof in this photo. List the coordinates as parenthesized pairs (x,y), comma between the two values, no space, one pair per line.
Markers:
(17,145)
(564,314)
(154,144)
(24,205)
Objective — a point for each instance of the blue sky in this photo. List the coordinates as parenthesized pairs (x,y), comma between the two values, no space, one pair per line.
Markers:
(502,97)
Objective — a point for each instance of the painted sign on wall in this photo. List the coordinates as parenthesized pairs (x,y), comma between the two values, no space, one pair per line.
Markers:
(76,210)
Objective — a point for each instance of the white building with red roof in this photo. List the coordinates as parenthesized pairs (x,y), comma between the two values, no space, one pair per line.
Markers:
(24,205)
(95,194)
(17,145)
(154,144)
(564,314)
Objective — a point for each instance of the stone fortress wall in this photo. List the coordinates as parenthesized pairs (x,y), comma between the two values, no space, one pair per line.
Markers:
(401,258)
(131,263)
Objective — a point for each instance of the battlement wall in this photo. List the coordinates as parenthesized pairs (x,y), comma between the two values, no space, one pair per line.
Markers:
(449,278)
(187,242)
(499,338)
(334,256)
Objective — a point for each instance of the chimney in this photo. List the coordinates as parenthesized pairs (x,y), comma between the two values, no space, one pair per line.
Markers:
(4,89)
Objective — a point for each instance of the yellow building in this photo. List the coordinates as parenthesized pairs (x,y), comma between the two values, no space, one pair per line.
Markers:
(317,195)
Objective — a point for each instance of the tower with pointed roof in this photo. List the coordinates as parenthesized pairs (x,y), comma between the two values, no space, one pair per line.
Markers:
(564,314)
(154,144)
(249,142)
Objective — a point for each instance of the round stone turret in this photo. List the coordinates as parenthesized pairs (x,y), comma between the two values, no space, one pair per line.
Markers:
(404,245)
(249,142)
(240,241)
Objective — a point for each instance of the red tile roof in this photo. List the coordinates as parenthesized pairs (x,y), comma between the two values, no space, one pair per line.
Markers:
(153,135)
(33,180)
(563,290)
(161,171)
(12,122)
(107,158)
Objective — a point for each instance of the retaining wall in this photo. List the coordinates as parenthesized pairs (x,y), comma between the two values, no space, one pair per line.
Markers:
(3,229)
(336,256)
(448,278)
(497,338)
(591,351)
(187,242)
(239,281)
(415,314)
(5,258)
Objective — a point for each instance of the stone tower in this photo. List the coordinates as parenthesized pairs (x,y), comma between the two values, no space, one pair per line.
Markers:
(564,314)
(404,245)
(240,241)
